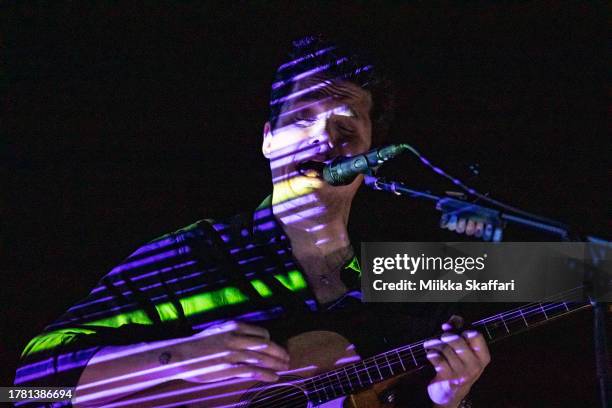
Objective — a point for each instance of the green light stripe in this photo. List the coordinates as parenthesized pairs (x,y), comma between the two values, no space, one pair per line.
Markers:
(53,339)
(192,305)
(137,316)
(354,265)
(261,288)
(294,281)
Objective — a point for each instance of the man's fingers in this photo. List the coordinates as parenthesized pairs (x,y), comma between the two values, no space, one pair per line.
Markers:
(237,342)
(453,323)
(250,330)
(478,344)
(254,358)
(438,361)
(446,352)
(243,371)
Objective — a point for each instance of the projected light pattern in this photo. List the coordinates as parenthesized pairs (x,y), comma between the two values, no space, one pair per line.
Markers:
(47,355)
(208,273)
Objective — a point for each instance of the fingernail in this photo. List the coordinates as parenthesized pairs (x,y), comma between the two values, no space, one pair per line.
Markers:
(447,338)
(431,343)
(470,334)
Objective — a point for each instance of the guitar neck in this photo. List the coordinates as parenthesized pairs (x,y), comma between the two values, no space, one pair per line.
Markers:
(353,377)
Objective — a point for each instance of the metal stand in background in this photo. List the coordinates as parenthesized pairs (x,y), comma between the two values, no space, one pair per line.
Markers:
(487,224)
(602,357)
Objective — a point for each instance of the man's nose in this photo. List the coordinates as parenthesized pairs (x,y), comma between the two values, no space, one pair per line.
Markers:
(334,136)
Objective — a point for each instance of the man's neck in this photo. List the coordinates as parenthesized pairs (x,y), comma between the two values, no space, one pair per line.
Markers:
(320,243)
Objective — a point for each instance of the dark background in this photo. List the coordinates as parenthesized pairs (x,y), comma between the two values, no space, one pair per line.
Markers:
(125,121)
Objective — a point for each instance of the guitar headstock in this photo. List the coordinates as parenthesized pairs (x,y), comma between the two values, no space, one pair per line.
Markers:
(470,219)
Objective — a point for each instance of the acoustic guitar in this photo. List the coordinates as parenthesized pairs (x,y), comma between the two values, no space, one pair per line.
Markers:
(327,372)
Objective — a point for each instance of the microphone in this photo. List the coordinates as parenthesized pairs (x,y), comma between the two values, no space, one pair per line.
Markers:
(343,170)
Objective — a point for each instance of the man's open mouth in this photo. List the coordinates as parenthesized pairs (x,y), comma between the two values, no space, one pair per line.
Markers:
(311,168)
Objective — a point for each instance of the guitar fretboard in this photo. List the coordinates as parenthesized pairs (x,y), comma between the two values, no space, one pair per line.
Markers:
(356,376)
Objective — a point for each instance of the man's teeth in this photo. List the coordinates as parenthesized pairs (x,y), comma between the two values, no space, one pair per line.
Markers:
(311,169)
(310,173)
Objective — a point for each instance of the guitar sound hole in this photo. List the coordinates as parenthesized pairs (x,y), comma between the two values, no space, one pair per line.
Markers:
(277,396)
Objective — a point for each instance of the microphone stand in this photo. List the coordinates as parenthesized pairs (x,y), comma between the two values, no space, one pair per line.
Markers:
(449,205)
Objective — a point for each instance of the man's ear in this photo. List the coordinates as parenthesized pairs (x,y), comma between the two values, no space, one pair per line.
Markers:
(266,146)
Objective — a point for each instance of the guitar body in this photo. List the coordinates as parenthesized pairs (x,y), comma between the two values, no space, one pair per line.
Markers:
(327,365)
(311,353)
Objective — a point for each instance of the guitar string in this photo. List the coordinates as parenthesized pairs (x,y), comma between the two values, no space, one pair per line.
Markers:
(536,308)
(352,379)
(297,395)
(280,396)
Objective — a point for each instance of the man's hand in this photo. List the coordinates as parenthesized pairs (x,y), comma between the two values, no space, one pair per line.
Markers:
(459,360)
(228,351)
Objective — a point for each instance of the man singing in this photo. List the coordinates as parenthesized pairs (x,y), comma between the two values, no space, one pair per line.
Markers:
(221,303)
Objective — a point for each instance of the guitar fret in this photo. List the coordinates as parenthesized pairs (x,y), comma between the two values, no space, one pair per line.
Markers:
(523,316)
(367,370)
(487,331)
(340,382)
(357,374)
(501,316)
(331,384)
(413,357)
(543,311)
(378,369)
(390,368)
(400,359)
(323,388)
(312,389)
(348,378)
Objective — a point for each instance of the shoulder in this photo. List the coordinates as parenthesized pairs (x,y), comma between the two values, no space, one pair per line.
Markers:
(208,230)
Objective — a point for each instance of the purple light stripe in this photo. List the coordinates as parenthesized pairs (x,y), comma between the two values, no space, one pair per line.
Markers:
(301,215)
(315,87)
(154,273)
(162,243)
(249,260)
(308,73)
(303,107)
(181,292)
(251,316)
(220,227)
(240,392)
(157,369)
(299,93)
(295,155)
(82,305)
(278,179)
(322,241)
(298,60)
(177,392)
(267,226)
(65,362)
(316,228)
(102,312)
(121,282)
(155,258)
(219,327)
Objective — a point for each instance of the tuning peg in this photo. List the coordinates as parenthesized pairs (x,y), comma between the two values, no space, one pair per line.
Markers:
(460,226)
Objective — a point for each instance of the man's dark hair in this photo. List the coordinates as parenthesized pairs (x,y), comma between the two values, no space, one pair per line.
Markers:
(335,62)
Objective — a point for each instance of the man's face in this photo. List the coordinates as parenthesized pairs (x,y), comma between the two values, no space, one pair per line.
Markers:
(318,126)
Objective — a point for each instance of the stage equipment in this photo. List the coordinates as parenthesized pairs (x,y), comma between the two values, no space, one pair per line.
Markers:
(488,224)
